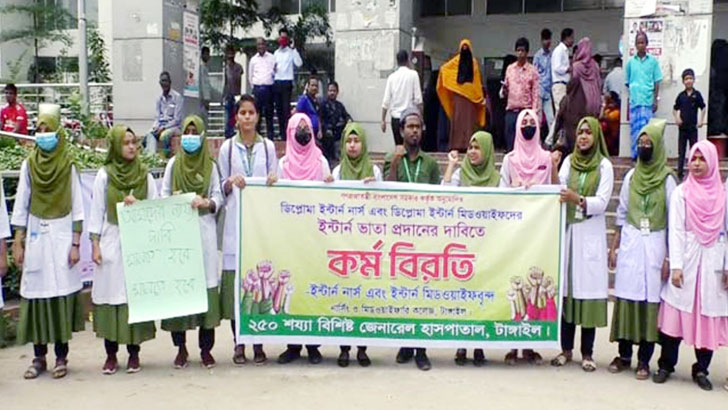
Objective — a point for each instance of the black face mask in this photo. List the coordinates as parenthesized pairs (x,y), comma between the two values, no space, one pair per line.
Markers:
(645,153)
(528,132)
(303,136)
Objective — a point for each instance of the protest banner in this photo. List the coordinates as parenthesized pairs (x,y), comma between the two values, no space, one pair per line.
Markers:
(399,265)
(162,252)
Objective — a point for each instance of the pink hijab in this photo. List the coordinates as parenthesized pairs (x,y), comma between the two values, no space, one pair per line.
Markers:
(705,198)
(303,162)
(529,163)
(586,71)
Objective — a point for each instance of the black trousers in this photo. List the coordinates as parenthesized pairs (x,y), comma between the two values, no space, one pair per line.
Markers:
(205,338)
(113,347)
(398,140)
(282,99)
(264,103)
(511,118)
(568,332)
(644,353)
(418,351)
(685,139)
(671,347)
(299,347)
(60,349)
(347,348)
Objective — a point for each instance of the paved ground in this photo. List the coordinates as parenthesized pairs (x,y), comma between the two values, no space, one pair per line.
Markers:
(384,385)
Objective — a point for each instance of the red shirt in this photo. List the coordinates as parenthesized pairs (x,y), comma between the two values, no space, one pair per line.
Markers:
(10,115)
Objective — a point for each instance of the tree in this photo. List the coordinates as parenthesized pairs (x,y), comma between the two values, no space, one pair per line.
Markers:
(47,24)
(98,64)
(220,20)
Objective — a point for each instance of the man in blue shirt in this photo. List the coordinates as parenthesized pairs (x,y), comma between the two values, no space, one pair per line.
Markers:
(168,116)
(542,61)
(642,77)
(309,105)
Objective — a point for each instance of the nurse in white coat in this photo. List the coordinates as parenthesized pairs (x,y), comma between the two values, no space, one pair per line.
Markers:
(589,178)
(123,178)
(194,170)
(695,301)
(4,234)
(48,220)
(245,155)
(642,261)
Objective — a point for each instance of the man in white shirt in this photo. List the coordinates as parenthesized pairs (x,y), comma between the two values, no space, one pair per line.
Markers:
(260,73)
(401,92)
(615,79)
(285,59)
(560,67)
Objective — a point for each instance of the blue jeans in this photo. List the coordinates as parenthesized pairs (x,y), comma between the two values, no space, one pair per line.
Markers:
(229,103)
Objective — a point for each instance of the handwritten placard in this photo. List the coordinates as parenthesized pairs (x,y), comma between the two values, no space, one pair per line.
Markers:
(162,252)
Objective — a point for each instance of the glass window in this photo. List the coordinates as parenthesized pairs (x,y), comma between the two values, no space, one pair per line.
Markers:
(504,6)
(570,5)
(320,3)
(459,7)
(288,6)
(613,4)
(332,6)
(542,6)
(433,8)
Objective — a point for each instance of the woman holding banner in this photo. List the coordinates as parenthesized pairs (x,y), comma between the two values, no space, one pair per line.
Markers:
(246,155)
(194,170)
(589,179)
(125,179)
(694,305)
(355,165)
(527,165)
(476,169)
(48,218)
(642,242)
(303,162)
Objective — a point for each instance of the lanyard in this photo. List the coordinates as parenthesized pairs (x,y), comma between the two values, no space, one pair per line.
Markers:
(417,169)
(248,161)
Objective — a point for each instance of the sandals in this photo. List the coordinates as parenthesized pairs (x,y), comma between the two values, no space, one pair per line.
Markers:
(643,371)
(561,360)
(110,366)
(61,369)
(533,358)
(37,367)
(619,365)
(239,355)
(588,365)
(511,358)
(259,356)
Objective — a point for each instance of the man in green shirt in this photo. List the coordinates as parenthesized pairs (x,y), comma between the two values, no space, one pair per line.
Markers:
(409,164)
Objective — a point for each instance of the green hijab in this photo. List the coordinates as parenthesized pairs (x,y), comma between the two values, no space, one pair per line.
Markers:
(584,175)
(50,175)
(485,173)
(125,177)
(355,168)
(647,194)
(191,172)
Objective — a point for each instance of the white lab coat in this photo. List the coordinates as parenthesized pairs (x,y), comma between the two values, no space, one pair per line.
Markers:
(208,223)
(4,226)
(336,173)
(639,264)
(109,286)
(46,273)
(688,254)
(586,241)
(234,163)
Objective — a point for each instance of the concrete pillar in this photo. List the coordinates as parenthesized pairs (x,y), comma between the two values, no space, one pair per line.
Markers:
(368,35)
(147,40)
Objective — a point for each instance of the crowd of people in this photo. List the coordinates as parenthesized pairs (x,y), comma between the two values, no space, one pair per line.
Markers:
(671,280)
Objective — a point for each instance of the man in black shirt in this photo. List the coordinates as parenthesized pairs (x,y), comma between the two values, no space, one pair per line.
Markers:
(685,112)
(333,118)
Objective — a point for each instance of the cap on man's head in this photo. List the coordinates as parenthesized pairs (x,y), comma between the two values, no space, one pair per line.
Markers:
(408,112)
(688,72)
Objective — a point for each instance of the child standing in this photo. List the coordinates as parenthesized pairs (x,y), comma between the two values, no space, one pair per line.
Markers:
(685,112)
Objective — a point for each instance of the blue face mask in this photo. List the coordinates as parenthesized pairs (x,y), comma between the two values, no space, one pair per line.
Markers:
(191,143)
(46,141)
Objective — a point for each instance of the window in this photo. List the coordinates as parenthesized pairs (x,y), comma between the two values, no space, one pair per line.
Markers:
(542,6)
(613,4)
(504,6)
(571,5)
(297,6)
(288,6)
(320,3)
(433,8)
